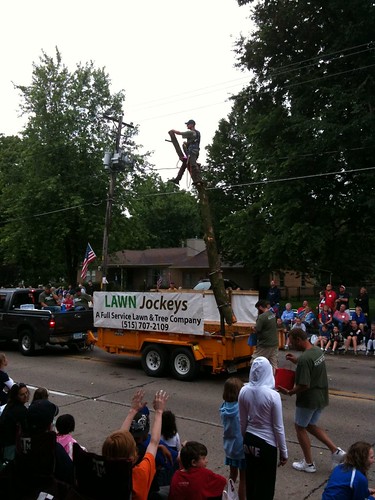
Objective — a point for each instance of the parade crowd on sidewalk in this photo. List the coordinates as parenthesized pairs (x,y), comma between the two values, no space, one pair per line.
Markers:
(146,458)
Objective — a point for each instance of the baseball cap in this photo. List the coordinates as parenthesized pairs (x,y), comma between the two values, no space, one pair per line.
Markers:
(140,424)
(190,122)
(342,286)
(40,414)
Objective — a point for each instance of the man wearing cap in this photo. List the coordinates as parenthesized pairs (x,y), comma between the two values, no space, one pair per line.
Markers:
(193,138)
(81,300)
(342,298)
(48,298)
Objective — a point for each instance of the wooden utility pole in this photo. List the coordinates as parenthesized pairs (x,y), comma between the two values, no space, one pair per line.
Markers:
(108,212)
(216,275)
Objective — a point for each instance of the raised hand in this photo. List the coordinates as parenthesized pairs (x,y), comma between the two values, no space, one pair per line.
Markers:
(137,400)
(160,400)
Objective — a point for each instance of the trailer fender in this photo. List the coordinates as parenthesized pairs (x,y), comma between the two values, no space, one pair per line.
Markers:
(198,352)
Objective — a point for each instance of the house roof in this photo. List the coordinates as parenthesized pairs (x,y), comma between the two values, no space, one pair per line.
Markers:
(148,257)
(161,257)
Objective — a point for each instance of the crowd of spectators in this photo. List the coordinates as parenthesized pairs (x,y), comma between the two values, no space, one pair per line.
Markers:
(334,325)
(159,463)
(161,466)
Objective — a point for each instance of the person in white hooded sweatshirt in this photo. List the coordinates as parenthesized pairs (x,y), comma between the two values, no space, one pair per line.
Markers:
(262,427)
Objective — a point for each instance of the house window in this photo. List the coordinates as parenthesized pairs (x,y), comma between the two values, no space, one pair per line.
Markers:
(282,280)
(303,279)
(91,275)
(154,275)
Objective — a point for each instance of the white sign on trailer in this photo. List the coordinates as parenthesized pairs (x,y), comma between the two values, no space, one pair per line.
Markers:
(154,312)
(243,306)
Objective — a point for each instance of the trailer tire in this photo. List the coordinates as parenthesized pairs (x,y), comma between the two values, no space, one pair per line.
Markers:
(26,343)
(155,360)
(183,364)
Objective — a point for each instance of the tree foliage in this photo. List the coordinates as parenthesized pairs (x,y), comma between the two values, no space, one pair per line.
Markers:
(159,216)
(291,158)
(53,200)
(54,187)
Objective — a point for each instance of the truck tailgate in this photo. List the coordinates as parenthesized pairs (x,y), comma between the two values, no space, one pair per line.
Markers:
(73,321)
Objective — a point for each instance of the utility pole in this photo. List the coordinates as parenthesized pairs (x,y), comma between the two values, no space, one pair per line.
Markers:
(107,223)
(114,163)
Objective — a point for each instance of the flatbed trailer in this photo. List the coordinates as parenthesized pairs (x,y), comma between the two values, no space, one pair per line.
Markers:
(184,354)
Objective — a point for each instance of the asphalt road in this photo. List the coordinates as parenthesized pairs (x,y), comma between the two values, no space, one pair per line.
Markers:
(96,388)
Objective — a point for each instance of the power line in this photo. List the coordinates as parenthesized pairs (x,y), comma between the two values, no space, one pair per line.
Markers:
(273,181)
(277,71)
(168,193)
(305,155)
(172,98)
(322,55)
(339,58)
(58,210)
(330,76)
(296,178)
(259,92)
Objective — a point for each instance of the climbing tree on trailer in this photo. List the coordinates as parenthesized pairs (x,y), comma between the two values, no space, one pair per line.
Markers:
(216,275)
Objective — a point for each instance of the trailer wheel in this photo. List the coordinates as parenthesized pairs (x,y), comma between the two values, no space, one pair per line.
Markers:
(184,366)
(26,343)
(155,360)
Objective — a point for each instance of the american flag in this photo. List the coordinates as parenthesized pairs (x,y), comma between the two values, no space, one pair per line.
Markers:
(89,257)
(159,282)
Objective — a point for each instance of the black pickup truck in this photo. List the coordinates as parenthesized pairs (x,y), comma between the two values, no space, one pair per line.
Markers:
(22,319)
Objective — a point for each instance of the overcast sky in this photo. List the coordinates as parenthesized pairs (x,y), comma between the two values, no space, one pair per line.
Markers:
(138,42)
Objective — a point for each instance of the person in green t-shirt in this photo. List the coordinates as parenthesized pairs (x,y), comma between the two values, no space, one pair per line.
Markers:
(48,298)
(267,337)
(191,148)
(311,389)
(82,300)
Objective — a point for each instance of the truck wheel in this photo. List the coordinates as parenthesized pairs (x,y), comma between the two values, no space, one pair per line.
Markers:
(184,366)
(154,360)
(26,343)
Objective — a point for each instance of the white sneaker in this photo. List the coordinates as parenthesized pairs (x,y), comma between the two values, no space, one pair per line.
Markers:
(303,466)
(338,457)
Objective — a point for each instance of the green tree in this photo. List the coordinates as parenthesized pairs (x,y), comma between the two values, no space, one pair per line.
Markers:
(291,158)
(158,215)
(55,194)
(10,175)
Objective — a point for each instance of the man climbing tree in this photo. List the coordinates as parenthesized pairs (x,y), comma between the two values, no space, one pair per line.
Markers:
(191,149)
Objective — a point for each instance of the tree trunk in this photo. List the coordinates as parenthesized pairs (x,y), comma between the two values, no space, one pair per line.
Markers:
(216,275)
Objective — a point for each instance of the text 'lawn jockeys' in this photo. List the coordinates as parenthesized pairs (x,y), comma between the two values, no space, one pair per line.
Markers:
(171,312)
